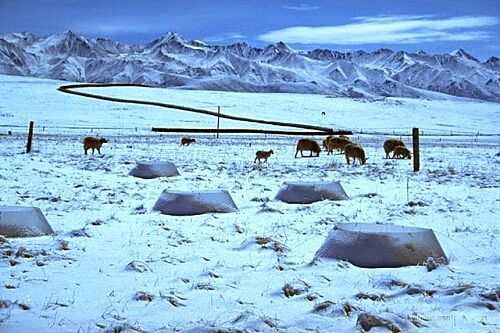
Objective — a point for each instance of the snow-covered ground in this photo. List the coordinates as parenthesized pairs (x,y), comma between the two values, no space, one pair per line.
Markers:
(209,272)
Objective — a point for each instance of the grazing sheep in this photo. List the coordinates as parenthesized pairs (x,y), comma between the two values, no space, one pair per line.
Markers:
(187,141)
(356,152)
(325,142)
(93,143)
(401,152)
(390,144)
(307,144)
(261,154)
(337,142)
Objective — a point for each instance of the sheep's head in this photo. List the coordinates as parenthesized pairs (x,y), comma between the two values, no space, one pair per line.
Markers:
(103,140)
(362,156)
(271,152)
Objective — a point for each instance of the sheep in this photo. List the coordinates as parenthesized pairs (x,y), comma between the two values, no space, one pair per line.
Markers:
(356,152)
(307,144)
(93,143)
(401,152)
(337,142)
(390,144)
(187,141)
(325,142)
(261,154)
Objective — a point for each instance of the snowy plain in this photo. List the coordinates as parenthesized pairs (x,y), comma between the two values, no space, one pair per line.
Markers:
(210,273)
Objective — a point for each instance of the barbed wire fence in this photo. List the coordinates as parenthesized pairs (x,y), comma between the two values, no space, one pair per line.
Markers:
(51,129)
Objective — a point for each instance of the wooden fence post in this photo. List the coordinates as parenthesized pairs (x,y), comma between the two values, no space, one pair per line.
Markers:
(416,150)
(218,119)
(30,138)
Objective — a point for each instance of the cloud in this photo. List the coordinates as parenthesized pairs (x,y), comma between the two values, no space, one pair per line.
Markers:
(303,7)
(402,29)
(224,37)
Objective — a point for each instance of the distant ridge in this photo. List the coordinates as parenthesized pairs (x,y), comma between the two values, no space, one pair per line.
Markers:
(175,61)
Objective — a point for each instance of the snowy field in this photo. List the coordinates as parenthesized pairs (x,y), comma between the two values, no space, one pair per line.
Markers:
(212,272)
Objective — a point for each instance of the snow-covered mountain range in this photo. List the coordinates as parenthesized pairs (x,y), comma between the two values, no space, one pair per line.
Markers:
(174,60)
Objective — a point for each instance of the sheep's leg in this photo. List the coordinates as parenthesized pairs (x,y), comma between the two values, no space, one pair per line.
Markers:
(99,151)
(347,159)
(85,150)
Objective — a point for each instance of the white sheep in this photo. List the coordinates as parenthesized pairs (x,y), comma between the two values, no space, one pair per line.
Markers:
(93,143)
(261,154)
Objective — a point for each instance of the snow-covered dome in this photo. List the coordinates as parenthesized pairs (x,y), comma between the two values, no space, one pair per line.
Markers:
(309,192)
(20,221)
(194,203)
(154,169)
(381,245)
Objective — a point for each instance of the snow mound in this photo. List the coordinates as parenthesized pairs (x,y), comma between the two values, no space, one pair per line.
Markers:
(18,221)
(194,203)
(154,169)
(309,192)
(381,245)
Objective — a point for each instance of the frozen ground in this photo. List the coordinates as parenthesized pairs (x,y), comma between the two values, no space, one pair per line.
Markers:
(114,265)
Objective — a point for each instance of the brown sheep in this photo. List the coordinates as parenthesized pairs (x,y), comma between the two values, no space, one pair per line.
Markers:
(187,141)
(93,143)
(401,152)
(337,142)
(356,152)
(307,144)
(262,155)
(325,142)
(390,144)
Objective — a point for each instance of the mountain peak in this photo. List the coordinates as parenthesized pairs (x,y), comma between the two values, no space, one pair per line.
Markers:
(278,47)
(382,51)
(460,53)
(492,59)
(173,36)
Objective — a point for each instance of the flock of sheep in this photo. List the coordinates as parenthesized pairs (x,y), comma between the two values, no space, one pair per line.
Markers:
(351,149)
(341,143)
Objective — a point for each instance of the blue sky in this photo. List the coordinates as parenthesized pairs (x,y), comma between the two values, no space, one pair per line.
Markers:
(435,26)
